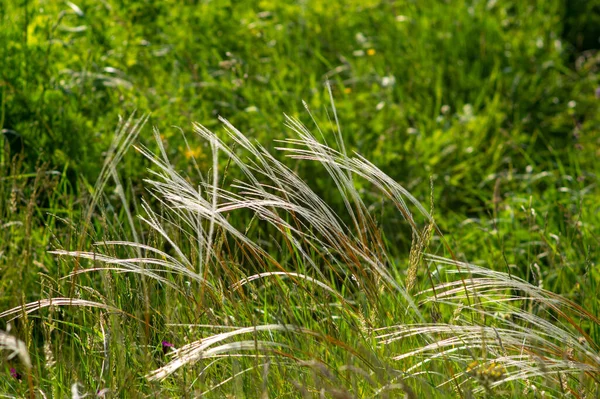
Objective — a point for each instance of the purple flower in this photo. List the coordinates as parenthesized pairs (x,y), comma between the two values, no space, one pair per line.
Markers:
(167,346)
(15,374)
(597,92)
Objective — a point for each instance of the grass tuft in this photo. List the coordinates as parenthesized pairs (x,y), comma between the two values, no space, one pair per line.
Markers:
(323,304)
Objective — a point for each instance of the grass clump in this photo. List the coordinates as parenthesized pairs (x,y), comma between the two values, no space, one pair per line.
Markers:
(256,287)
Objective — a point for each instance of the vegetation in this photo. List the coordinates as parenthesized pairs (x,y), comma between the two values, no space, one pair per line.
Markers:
(426,225)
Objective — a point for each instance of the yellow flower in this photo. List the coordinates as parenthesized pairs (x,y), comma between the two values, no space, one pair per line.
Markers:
(489,373)
(193,152)
(472,366)
(371,51)
(348,90)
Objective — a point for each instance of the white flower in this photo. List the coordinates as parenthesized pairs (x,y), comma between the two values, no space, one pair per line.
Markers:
(388,81)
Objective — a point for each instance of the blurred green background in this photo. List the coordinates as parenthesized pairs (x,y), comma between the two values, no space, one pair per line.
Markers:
(496,100)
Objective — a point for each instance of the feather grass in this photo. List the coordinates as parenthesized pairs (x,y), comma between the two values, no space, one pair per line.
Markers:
(473,330)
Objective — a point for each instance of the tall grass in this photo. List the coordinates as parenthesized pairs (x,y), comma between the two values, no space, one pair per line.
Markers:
(270,292)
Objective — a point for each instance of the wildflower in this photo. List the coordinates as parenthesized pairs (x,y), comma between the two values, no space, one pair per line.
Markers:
(486,374)
(361,38)
(388,81)
(15,374)
(371,52)
(539,43)
(472,366)
(348,90)
(193,152)
(167,346)
(467,114)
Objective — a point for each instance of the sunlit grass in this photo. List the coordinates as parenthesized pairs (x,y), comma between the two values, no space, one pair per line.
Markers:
(484,112)
(320,305)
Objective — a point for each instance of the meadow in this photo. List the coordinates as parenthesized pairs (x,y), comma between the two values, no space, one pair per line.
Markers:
(264,199)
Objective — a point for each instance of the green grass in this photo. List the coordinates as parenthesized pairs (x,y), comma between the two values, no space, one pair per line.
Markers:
(486,111)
